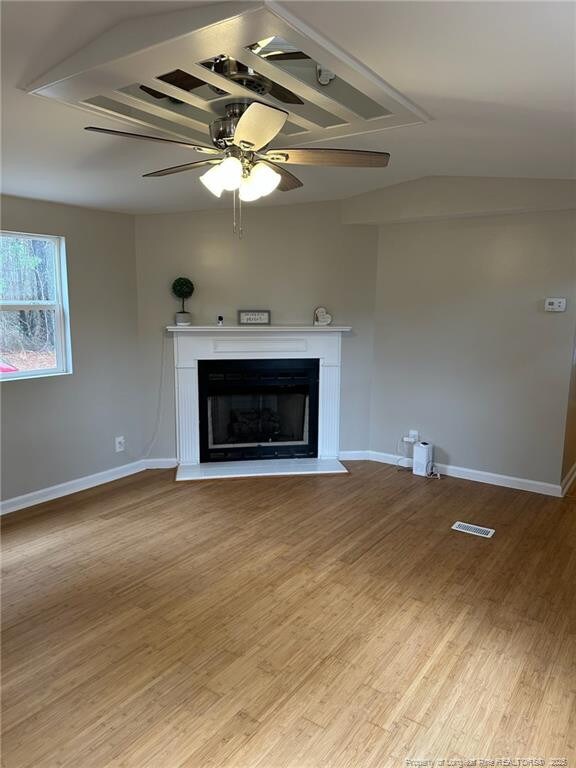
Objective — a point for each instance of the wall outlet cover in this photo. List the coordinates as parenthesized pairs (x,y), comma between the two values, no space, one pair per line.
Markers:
(555,304)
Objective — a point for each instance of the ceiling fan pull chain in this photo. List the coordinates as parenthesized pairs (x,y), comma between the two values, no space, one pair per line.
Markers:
(236,201)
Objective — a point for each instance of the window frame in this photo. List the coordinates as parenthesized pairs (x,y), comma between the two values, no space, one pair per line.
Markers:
(63,343)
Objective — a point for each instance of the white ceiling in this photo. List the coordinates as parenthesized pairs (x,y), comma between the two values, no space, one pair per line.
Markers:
(498,79)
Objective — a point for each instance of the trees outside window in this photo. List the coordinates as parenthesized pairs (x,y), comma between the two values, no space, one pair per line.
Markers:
(34,327)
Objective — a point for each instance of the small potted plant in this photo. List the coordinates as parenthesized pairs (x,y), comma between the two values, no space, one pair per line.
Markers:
(183,288)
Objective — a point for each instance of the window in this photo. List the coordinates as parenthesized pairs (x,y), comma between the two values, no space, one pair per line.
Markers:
(34,326)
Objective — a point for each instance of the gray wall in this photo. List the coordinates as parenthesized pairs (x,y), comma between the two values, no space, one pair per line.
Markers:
(290,260)
(463,349)
(434,197)
(569,460)
(449,333)
(60,428)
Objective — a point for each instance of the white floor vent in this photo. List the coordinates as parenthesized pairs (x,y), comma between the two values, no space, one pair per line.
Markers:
(475,530)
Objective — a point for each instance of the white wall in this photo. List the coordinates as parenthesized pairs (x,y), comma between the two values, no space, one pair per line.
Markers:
(464,351)
(59,428)
(290,260)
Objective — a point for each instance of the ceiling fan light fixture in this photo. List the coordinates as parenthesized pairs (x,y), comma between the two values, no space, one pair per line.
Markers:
(261,182)
(241,136)
(212,180)
(265,179)
(230,172)
(249,191)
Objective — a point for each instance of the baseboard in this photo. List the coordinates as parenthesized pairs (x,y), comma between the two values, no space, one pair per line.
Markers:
(353,455)
(82,484)
(386,458)
(383,458)
(569,479)
(159,463)
(507,481)
(476,475)
(90,481)
(72,486)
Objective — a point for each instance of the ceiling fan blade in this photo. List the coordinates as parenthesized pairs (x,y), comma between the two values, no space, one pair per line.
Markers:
(127,135)
(181,168)
(285,55)
(258,126)
(283,94)
(351,158)
(288,180)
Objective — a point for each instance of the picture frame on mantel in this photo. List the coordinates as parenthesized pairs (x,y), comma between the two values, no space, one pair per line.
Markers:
(254,317)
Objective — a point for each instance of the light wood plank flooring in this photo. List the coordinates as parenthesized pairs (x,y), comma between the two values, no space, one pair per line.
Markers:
(289,623)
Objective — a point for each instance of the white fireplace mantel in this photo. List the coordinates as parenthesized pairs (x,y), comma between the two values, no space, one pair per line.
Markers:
(253,329)
(194,342)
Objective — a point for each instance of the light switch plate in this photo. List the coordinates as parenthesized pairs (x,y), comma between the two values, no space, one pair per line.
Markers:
(555,305)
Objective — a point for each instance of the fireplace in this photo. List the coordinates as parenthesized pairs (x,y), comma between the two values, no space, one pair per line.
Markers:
(290,423)
(258,409)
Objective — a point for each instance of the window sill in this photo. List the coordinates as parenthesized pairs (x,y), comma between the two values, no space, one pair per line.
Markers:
(34,375)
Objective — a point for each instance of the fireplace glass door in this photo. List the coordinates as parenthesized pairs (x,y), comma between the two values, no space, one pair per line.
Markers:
(252,419)
(258,409)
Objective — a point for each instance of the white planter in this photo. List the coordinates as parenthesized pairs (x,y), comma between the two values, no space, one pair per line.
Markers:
(183,318)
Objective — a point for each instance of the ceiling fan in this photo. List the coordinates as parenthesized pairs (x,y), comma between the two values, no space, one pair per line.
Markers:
(241,160)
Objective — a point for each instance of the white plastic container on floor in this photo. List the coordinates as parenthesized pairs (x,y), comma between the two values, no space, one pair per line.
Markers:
(422,464)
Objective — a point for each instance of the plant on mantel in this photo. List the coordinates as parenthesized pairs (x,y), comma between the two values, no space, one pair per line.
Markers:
(183,288)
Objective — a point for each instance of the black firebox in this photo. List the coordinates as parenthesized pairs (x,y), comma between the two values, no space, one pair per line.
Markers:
(258,409)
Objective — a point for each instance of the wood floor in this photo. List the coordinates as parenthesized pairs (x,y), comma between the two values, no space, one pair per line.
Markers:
(289,623)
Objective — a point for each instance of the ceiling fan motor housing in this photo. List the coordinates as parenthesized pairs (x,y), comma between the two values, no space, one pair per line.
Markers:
(222,130)
(241,74)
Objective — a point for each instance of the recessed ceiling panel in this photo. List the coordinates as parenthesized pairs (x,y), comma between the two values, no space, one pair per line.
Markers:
(177,72)
(286,56)
(111,107)
(186,82)
(258,85)
(150,97)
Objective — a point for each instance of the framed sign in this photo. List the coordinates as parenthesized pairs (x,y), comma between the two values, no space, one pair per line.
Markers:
(253,317)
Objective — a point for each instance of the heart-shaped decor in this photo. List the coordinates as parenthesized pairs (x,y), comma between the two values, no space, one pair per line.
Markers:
(322,316)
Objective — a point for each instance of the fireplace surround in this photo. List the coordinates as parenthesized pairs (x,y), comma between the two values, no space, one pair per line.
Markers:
(257,400)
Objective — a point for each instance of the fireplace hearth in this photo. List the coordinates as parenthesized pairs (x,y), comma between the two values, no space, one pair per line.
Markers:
(258,409)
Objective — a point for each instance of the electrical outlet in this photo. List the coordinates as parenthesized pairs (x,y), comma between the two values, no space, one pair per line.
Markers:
(414,434)
(119,444)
